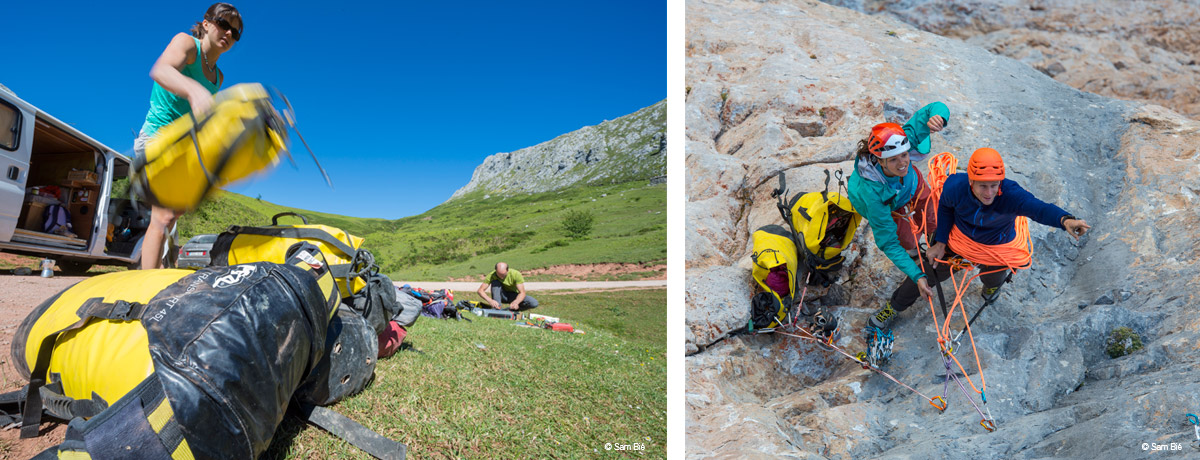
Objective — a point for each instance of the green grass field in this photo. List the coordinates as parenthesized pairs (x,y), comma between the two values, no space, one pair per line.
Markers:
(490,389)
(465,237)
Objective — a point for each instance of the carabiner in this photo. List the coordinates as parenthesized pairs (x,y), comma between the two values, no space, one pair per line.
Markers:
(942,407)
(988,425)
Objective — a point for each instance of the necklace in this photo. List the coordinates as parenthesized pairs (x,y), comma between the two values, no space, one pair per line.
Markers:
(204,60)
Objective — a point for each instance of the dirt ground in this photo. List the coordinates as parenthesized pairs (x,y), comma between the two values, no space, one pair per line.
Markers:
(18,296)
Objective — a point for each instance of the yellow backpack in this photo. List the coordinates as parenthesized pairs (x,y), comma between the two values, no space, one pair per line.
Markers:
(826,222)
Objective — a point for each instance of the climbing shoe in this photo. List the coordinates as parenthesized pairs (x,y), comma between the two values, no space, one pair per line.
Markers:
(882,319)
(990,294)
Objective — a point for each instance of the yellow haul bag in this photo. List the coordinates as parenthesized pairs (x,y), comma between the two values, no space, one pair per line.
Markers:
(84,367)
(826,221)
(774,251)
(351,265)
(176,364)
(243,134)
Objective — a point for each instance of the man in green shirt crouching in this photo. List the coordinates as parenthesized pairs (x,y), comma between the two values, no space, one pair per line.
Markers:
(506,286)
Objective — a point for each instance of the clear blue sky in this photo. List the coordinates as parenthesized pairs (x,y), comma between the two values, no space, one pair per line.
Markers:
(400,100)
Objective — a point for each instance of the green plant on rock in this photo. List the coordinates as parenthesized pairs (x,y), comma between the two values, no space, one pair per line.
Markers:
(577,224)
(1123,341)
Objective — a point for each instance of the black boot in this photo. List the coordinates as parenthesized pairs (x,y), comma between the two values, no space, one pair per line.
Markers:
(990,294)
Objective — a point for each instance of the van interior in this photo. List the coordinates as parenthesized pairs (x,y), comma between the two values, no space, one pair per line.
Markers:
(66,175)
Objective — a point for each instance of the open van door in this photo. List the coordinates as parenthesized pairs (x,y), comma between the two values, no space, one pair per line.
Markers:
(16,135)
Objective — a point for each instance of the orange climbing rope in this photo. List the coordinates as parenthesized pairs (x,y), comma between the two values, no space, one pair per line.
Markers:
(1013,256)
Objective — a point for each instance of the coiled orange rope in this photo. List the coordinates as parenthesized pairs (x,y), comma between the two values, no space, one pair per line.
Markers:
(1013,255)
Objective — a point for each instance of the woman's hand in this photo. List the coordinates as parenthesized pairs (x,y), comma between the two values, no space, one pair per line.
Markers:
(923,286)
(201,101)
(936,123)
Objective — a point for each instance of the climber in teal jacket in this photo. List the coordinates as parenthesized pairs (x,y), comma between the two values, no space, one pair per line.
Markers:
(885,187)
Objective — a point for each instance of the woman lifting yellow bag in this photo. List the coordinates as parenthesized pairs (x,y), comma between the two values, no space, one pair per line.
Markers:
(243,134)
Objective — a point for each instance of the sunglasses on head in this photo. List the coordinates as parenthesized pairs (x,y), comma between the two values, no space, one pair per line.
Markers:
(225,25)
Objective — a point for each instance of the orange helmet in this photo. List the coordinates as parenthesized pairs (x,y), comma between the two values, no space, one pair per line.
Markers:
(887,140)
(985,165)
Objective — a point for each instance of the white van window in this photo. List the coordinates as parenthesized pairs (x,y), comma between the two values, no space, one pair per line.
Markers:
(10,126)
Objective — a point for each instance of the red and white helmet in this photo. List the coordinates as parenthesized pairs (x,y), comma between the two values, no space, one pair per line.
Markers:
(887,140)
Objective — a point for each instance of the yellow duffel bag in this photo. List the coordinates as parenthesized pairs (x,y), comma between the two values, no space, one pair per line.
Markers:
(242,135)
(176,363)
(774,250)
(351,265)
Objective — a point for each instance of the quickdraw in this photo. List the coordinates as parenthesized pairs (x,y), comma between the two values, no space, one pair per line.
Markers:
(941,407)
(879,345)
(988,425)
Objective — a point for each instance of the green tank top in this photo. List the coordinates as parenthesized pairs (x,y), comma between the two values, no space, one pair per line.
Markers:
(166,107)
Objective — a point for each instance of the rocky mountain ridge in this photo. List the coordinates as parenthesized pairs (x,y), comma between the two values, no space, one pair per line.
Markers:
(631,147)
(790,86)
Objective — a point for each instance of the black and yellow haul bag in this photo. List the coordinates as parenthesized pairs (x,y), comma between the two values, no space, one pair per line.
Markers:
(348,366)
(824,224)
(827,221)
(176,363)
(242,135)
(351,265)
(774,250)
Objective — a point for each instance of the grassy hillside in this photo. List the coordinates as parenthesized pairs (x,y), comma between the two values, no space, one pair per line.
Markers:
(468,235)
(489,389)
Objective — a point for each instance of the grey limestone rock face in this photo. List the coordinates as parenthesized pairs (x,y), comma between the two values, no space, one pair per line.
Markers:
(791,86)
(1145,51)
(632,147)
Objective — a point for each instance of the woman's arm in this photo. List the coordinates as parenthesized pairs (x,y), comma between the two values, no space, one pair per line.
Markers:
(167,72)
(918,127)
(879,218)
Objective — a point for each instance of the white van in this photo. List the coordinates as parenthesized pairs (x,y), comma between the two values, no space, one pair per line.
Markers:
(45,162)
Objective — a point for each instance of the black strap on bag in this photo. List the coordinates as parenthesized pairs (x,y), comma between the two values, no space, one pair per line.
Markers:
(362,262)
(92,308)
(296,233)
(140,425)
(353,432)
